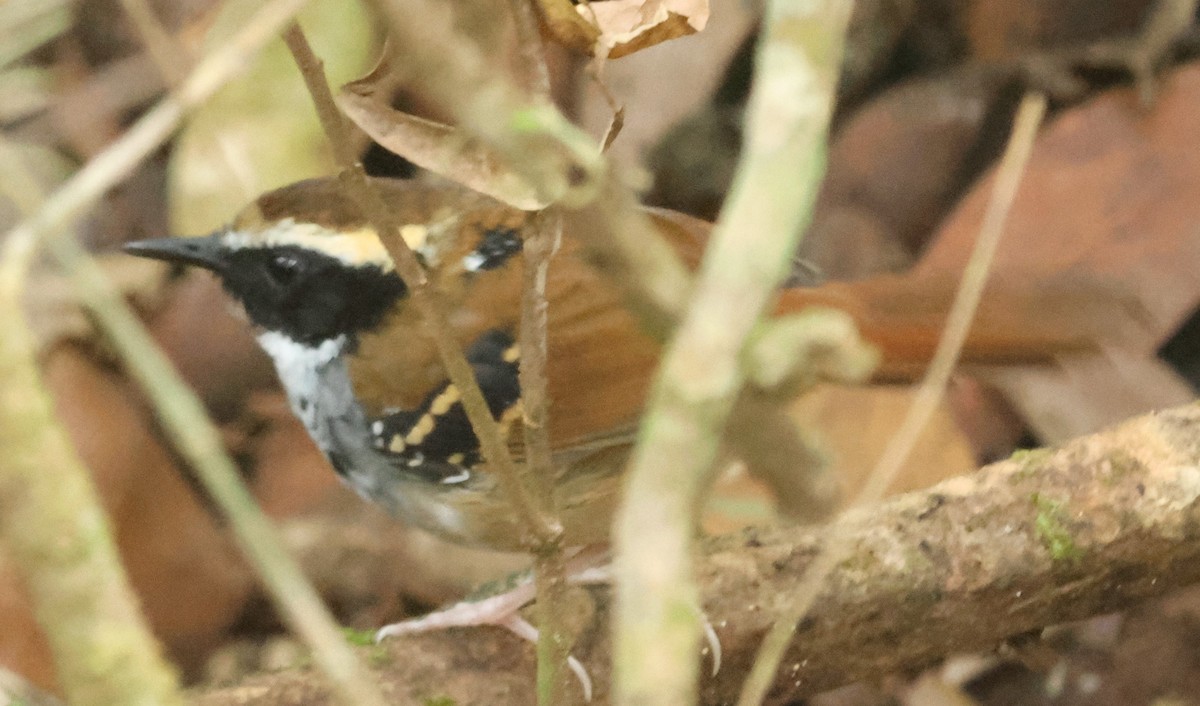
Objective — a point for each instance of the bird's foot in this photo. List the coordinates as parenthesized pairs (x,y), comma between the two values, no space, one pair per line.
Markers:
(503,610)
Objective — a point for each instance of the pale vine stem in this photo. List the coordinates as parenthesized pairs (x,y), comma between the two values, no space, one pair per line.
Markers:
(51,516)
(769,204)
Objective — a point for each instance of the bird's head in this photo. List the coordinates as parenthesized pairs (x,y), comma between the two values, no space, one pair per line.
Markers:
(300,260)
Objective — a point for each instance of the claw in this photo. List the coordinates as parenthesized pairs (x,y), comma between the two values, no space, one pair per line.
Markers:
(522,628)
(603,575)
(714,643)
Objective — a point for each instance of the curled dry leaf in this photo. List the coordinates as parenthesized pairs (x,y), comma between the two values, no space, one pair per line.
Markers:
(440,148)
(565,25)
(627,26)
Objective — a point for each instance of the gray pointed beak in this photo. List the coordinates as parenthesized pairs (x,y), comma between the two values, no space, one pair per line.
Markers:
(205,251)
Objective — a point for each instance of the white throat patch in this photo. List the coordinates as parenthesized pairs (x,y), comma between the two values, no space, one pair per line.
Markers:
(299,367)
(295,357)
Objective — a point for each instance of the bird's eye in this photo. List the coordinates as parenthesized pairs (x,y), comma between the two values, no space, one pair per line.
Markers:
(283,269)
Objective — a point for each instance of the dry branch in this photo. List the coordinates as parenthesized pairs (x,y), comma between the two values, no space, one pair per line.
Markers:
(1045,537)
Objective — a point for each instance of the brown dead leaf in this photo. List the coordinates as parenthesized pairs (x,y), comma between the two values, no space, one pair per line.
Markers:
(191,581)
(660,87)
(627,26)
(440,148)
(1109,194)
(855,424)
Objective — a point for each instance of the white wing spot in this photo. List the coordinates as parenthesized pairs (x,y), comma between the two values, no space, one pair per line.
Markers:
(473,261)
(460,477)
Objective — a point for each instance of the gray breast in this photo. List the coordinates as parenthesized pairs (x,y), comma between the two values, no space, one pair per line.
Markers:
(318,386)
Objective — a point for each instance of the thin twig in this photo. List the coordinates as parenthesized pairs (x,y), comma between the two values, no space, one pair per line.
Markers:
(549,566)
(546,233)
(549,563)
(1012,167)
(116,162)
(539,246)
(168,55)
(540,529)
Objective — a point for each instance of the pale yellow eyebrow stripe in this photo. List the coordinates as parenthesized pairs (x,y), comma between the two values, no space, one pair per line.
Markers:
(361,246)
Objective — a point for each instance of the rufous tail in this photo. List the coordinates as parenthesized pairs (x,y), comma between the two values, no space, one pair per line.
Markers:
(1016,322)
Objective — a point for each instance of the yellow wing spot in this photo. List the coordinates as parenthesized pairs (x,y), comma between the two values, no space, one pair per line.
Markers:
(512,354)
(443,402)
(420,430)
(397,444)
(415,235)
(456,459)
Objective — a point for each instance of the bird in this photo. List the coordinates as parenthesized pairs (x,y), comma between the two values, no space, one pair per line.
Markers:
(350,350)
(366,380)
